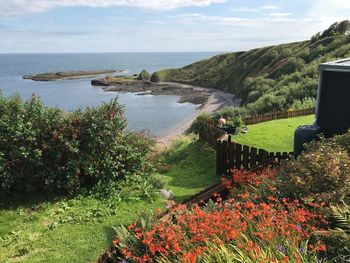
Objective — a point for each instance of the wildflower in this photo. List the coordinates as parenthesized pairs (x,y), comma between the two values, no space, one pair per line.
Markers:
(281,249)
(298,227)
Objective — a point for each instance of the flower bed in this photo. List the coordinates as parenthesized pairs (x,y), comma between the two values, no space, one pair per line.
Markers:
(253,221)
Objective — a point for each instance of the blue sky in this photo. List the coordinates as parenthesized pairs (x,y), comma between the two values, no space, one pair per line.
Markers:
(47,26)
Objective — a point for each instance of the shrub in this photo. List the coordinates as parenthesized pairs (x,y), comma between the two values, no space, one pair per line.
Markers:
(231,112)
(155,77)
(144,75)
(322,173)
(196,126)
(343,140)
(233,115)
(306,103)
(267,103)
(46,149)
(293,64)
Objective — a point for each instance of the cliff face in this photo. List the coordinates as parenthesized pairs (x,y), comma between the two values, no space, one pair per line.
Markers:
(257,72)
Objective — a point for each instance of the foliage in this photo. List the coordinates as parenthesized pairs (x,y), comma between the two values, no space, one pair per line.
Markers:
(269,78)
(155,77)
(235,254)
(144,75)
(230,112)
(196,125)
(48,150)
(339,240)
(306,103)
(343,140)
(267,103)
(321,173)
(262,230)
(233,115)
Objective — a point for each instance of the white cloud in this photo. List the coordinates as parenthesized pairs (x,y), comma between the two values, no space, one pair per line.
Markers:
(19,7)
(245,9)
(325,12)
(270,7)
(195,18)
(274,15)
(263,8)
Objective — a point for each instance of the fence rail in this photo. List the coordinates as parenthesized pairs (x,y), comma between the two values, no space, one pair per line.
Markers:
(231,155)
(277,115)
(234,155)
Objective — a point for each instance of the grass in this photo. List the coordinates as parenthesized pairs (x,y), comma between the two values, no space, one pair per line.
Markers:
(73,230)
(273,136)
(80,229)
(192,168)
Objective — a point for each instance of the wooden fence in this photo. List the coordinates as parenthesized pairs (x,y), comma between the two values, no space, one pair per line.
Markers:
(234,155)
(277,115)
(211,134)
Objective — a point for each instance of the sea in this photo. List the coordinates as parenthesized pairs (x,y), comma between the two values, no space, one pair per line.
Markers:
(155,114)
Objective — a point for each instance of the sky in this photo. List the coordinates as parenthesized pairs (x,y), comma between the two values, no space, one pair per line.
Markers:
(64,26)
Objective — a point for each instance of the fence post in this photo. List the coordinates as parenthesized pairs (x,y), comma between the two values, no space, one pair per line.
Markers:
(225,156)
(219,158)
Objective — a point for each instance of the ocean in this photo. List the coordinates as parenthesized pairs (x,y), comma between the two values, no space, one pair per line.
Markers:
(157,114)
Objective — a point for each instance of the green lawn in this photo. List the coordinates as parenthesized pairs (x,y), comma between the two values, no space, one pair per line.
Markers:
(80,229)
(75,230)
(273,136)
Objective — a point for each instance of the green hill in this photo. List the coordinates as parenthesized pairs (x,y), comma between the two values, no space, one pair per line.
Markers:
(270,78)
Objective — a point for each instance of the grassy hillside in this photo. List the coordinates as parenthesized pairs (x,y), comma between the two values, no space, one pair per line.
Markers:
(191,168)
(270,78)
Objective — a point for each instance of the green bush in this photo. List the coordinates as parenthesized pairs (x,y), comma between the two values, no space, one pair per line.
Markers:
(230,112)
(306,103)
(48,150)
(293,64)
(144,75)
(343,140)
(267,103)
(197,123)
(322,173)
(155,77)
(233,115)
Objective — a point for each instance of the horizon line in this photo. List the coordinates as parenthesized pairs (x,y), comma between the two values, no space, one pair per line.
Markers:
(111,52)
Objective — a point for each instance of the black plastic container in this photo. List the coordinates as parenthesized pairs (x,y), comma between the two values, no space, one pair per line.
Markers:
(333,97)
(333,104)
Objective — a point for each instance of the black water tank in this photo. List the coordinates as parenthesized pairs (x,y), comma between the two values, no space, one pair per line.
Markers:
(333,98)
(333,104)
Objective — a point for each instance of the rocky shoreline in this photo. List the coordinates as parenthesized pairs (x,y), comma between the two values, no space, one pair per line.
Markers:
(68,75)
(195,95)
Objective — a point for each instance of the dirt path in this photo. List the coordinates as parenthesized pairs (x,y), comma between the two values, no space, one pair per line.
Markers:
(216,100)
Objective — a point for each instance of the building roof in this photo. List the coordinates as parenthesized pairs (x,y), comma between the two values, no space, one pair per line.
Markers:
(337,65)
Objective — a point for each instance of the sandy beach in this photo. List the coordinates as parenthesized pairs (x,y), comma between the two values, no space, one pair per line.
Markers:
(217,99)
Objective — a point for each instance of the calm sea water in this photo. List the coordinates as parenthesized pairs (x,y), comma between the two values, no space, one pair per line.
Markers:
(155,113)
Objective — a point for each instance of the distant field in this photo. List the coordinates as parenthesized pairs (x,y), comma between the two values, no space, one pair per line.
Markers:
(273,136)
